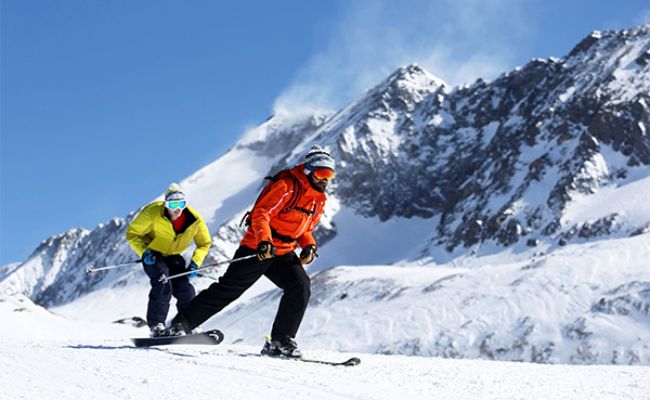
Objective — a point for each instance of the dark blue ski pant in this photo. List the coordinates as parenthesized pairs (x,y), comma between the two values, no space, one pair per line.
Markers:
(161,293)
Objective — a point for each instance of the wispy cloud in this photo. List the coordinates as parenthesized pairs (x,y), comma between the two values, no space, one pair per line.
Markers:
(644,17)
(456,40)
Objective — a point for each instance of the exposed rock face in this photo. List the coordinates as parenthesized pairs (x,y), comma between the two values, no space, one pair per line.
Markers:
(500,160)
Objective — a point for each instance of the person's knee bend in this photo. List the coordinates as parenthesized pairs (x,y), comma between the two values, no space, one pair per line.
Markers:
(303,288)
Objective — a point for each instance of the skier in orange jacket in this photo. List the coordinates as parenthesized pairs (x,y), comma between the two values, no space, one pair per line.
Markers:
(283,217)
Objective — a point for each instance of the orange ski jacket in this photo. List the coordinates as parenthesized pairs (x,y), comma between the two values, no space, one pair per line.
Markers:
(271,222)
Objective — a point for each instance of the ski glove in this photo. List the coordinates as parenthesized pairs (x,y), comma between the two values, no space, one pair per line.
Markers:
(149,258)
(265,251)
(193,267)
(307,254)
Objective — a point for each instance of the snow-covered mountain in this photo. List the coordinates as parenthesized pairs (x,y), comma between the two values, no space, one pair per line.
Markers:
(504,220)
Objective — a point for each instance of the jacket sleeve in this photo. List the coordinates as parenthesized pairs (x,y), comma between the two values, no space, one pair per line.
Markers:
(268,207)
(139,227)
(308,238)
(203,241)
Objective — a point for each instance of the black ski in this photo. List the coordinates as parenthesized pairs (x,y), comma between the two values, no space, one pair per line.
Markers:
(211,337)
(347,363)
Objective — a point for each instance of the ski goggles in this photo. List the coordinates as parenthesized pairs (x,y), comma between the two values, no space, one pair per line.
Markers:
(323,173)
(174,204)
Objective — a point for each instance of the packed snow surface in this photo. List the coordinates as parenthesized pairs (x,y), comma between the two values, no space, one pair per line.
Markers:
(45,355)
(112,369)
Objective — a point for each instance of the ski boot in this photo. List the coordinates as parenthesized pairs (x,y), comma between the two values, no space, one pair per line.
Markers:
(179,326)
(159,330)
(281,348)
(177,329)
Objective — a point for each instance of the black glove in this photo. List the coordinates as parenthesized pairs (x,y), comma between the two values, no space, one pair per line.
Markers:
(265,250)
(307,254)
(149,257)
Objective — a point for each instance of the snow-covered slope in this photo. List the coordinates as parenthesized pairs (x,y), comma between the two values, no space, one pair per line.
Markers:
(580,304)
(504,186)
(54,358)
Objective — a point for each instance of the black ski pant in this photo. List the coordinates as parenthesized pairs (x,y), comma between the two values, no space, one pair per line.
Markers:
(284,271)
(161,293)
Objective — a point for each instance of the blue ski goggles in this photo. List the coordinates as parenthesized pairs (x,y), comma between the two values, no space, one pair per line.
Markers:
(174,204)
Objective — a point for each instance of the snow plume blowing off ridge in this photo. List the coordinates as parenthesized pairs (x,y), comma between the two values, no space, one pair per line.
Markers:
(372,38)
(502,220)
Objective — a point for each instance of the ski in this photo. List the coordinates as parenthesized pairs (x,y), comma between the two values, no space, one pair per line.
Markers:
(347,363)
(211,337)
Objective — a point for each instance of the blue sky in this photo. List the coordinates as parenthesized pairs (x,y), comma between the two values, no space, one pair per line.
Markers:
(105,102)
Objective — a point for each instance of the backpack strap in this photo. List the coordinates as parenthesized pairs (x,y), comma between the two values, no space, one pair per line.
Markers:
(291,204)
(304,210)
(295,196)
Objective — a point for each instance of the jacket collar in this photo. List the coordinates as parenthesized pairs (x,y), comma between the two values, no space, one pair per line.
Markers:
(190,218)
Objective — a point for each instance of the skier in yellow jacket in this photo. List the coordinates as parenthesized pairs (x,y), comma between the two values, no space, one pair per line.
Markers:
(159,234)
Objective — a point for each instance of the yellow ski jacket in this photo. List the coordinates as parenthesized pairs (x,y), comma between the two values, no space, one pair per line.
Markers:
(152,229)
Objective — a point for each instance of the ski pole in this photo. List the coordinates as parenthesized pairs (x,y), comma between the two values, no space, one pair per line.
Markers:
(165,278)
(90,268)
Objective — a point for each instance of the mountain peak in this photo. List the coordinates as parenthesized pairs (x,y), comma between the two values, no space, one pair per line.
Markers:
(413,74)
(405,87)
(609,40)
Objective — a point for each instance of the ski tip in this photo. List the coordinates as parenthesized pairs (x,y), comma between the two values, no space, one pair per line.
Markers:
(353,361)
(216,334)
